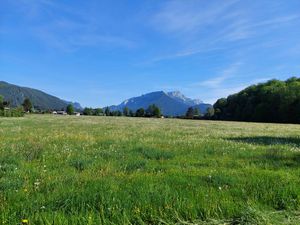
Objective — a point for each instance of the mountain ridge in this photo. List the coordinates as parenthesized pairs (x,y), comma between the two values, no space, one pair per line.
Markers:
(170,103)
(41,100)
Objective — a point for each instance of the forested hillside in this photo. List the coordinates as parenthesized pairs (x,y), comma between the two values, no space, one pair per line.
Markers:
(273,101)
(15,95)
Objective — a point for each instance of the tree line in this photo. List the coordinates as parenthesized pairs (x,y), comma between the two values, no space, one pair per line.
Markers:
(151,111)
(27,107)
(195,113)
(272,101)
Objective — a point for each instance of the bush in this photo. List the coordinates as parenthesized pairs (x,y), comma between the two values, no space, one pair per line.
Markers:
(17,112)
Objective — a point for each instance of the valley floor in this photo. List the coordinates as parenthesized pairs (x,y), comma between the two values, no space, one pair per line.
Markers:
(117,170)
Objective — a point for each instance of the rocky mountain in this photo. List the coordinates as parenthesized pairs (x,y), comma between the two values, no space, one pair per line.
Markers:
(171,103)
(178,96)
(40,100)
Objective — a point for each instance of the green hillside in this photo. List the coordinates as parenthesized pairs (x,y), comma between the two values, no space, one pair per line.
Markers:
(40,100)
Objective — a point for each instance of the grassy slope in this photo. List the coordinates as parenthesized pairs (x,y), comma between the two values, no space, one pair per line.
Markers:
(97,170)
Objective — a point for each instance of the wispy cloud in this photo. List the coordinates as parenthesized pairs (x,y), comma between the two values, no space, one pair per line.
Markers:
(225,82)
(225,89)
(223,92)
(184,53)
(200,26)
(189,16)
(69,41)
(243,29)
(216,82)
(69,31)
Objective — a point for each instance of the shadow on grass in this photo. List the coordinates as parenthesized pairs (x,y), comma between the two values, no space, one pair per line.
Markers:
(266,140)
(280,158)
(274,156)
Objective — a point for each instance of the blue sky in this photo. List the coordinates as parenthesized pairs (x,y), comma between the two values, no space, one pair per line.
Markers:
(102,52)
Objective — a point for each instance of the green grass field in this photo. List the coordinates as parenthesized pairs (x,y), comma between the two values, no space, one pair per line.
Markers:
(116,170)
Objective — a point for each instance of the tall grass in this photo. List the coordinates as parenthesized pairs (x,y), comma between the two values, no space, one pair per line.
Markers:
(106,170)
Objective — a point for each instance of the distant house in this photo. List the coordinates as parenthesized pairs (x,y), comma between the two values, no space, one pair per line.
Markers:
(65,113)
(61,113)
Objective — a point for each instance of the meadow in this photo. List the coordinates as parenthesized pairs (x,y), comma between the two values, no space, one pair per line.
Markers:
(118,170)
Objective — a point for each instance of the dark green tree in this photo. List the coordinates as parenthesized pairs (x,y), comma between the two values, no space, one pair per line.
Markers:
(190,113)
(126,111)
(70,109)
(107,111)
(210,112)
(220,108)
(196,112)
(156,112)
(88,111)
(98,112)
(140,112)
(153,111)
(1,102)
(131,113)
(27,105)
(115,113)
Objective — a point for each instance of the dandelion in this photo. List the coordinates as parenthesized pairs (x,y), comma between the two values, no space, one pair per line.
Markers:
(137,210)
(25,221)
(37,184)
(220,188)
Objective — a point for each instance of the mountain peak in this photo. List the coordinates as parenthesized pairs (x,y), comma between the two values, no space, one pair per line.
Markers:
(177,95)
(155,93)
(171,103)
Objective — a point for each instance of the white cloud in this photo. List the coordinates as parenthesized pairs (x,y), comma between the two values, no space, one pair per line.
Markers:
(223,76)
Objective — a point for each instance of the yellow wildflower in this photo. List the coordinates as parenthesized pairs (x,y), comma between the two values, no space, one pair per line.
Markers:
(25,221)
